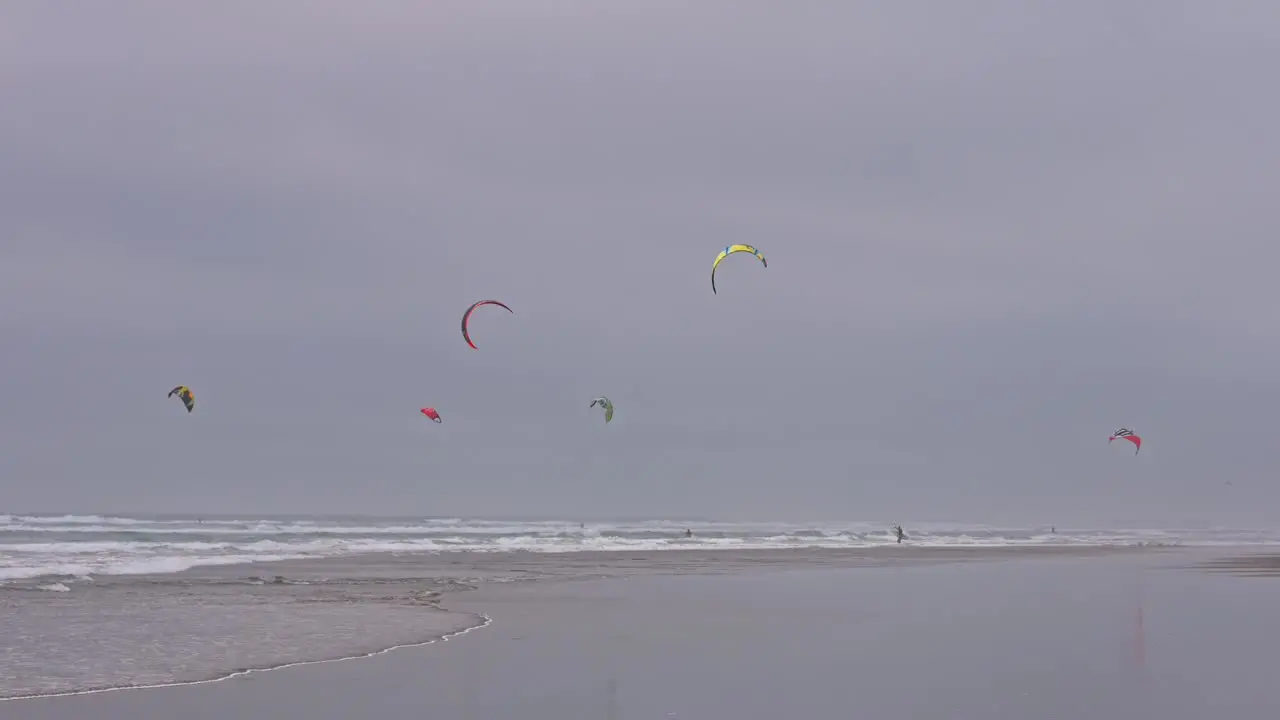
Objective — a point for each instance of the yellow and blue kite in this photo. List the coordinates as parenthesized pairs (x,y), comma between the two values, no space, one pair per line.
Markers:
(729,251)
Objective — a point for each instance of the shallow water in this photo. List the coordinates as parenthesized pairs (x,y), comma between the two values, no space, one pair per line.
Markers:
(1021,636)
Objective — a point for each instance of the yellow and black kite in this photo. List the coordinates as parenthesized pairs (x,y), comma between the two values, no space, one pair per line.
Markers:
(184,393)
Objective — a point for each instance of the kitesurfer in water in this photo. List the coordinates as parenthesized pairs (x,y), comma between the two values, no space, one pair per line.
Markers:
(688,533)
(897,530)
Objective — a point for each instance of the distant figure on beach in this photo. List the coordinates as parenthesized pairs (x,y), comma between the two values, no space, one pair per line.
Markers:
(1053,529)
(897,530)
(688,533)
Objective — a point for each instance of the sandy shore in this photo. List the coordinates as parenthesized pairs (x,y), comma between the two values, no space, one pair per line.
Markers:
(213,623)
(1251,565)
(616,599)
(738,636)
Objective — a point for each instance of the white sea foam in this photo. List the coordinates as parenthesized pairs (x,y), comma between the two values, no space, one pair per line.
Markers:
(86,545)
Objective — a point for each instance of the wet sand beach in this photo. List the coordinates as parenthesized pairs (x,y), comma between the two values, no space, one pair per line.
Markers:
(1253,564)
(936,633)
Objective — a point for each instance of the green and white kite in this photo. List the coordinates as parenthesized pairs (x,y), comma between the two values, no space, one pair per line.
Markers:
(605,403)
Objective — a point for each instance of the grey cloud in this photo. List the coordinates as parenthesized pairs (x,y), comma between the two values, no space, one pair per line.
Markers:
(995,231)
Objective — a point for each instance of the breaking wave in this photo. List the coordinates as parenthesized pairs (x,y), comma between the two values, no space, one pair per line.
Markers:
(38,546)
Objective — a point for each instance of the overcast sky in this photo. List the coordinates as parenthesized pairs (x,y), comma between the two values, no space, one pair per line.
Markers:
(996,231)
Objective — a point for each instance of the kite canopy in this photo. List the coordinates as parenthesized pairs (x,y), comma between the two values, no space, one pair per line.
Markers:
(184,394)
(466,317)
(729,251)
(605,403)
(431,413)
(1127,434)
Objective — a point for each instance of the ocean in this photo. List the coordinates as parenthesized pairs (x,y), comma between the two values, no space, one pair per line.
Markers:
(54,550)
